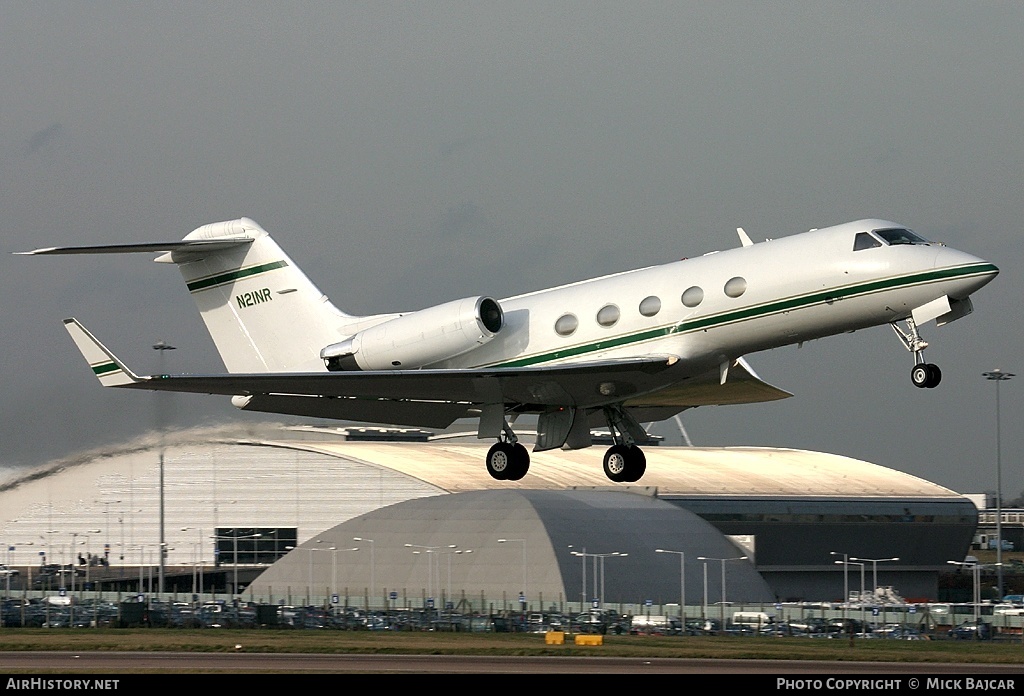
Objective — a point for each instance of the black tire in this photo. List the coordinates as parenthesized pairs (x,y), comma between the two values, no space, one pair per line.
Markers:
(920,375)
(636,464)
(935,376)
(500,460)
(616,463)
(520,463)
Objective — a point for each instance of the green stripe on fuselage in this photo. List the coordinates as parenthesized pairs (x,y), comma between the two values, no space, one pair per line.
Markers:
(789,304)
(232,276)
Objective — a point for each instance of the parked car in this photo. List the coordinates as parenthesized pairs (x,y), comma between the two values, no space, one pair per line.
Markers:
(971,630)
(8,572)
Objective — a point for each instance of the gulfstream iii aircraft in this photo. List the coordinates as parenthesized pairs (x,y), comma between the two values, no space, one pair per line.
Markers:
(621,350)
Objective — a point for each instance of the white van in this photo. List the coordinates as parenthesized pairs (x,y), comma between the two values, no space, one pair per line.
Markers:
(755,619)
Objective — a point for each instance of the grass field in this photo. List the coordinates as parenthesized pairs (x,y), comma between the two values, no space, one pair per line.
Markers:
(426,643)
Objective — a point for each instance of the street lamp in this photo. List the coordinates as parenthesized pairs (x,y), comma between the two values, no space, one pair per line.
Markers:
(106,517)
(429,550)
(874,569)
(450,553)
(998,376)
(846,578)
(523,542)
(162,347)
(235,537)
(723,561)
(583,564)
(598,594)
(373,581)
(682,582)
(862,567)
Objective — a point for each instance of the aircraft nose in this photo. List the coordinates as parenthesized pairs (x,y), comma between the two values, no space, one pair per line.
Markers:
(972,272)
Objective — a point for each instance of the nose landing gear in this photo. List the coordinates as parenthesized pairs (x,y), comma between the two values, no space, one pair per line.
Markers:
(923,375)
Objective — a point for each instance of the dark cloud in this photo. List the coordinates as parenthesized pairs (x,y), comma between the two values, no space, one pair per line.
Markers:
(408,154)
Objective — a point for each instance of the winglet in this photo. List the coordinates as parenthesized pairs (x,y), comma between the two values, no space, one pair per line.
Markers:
(105,365)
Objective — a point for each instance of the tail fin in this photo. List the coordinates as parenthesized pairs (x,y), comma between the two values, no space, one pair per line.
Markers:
(263,313)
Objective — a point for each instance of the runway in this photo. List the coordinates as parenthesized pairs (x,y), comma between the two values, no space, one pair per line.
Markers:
(133,664)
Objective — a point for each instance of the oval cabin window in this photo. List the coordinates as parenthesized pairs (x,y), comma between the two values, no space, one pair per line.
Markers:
(566,325)
(608,315)
(650,306)
(736,287)
(693,296)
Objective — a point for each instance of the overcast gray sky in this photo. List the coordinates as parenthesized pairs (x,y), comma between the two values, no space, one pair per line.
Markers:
(408,153)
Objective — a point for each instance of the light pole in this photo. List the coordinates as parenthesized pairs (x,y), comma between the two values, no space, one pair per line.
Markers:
(523,542)
(162,347)
(373,581)
(450,553)
(197,569)
(874,570)
(862,567)
(235,537)
(723,562)
(998,376)
(583,564)
(106,517)
(682,583)
(598,578)
(429,550)
(976,578)
(846,578)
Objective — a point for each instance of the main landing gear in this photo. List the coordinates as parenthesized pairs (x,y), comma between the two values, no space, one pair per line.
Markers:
(508,460)
(624,462)
(923,375)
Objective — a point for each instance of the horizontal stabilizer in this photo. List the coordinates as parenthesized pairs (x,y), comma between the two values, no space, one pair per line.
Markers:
(189,245)
(110,371)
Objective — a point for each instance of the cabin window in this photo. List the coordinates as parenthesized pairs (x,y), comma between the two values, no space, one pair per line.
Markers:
(898,235)
(650,306)
(566,325)
(693,296)
(863,240)
(735,287)
(608,315)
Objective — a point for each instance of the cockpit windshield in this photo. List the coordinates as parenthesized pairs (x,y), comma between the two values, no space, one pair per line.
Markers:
(899,235)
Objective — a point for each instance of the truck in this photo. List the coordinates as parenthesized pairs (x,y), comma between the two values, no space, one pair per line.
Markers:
(754,619)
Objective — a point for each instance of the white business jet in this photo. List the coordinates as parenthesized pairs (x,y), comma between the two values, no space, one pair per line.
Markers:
(619,350)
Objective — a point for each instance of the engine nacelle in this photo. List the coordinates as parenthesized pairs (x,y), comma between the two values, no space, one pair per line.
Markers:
(420,338)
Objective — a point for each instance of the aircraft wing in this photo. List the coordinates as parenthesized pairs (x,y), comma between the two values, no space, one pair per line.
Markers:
(435,398)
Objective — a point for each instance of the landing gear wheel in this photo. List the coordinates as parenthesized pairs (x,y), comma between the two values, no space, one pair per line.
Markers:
(926,376)
(500,460)
(637,464)
(520,463)
(624,463)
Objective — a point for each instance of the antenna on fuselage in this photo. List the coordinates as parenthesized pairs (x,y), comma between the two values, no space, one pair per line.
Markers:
(744,239)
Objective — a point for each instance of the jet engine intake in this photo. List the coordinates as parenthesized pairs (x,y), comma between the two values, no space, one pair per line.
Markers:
(419,338)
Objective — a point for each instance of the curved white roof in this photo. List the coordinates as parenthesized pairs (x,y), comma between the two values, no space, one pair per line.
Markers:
(730,471)
(286,479)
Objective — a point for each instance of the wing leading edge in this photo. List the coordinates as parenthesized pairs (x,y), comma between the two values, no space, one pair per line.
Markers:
(435,398)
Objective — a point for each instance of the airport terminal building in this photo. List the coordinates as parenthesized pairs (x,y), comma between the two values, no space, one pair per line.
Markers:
(389,515)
